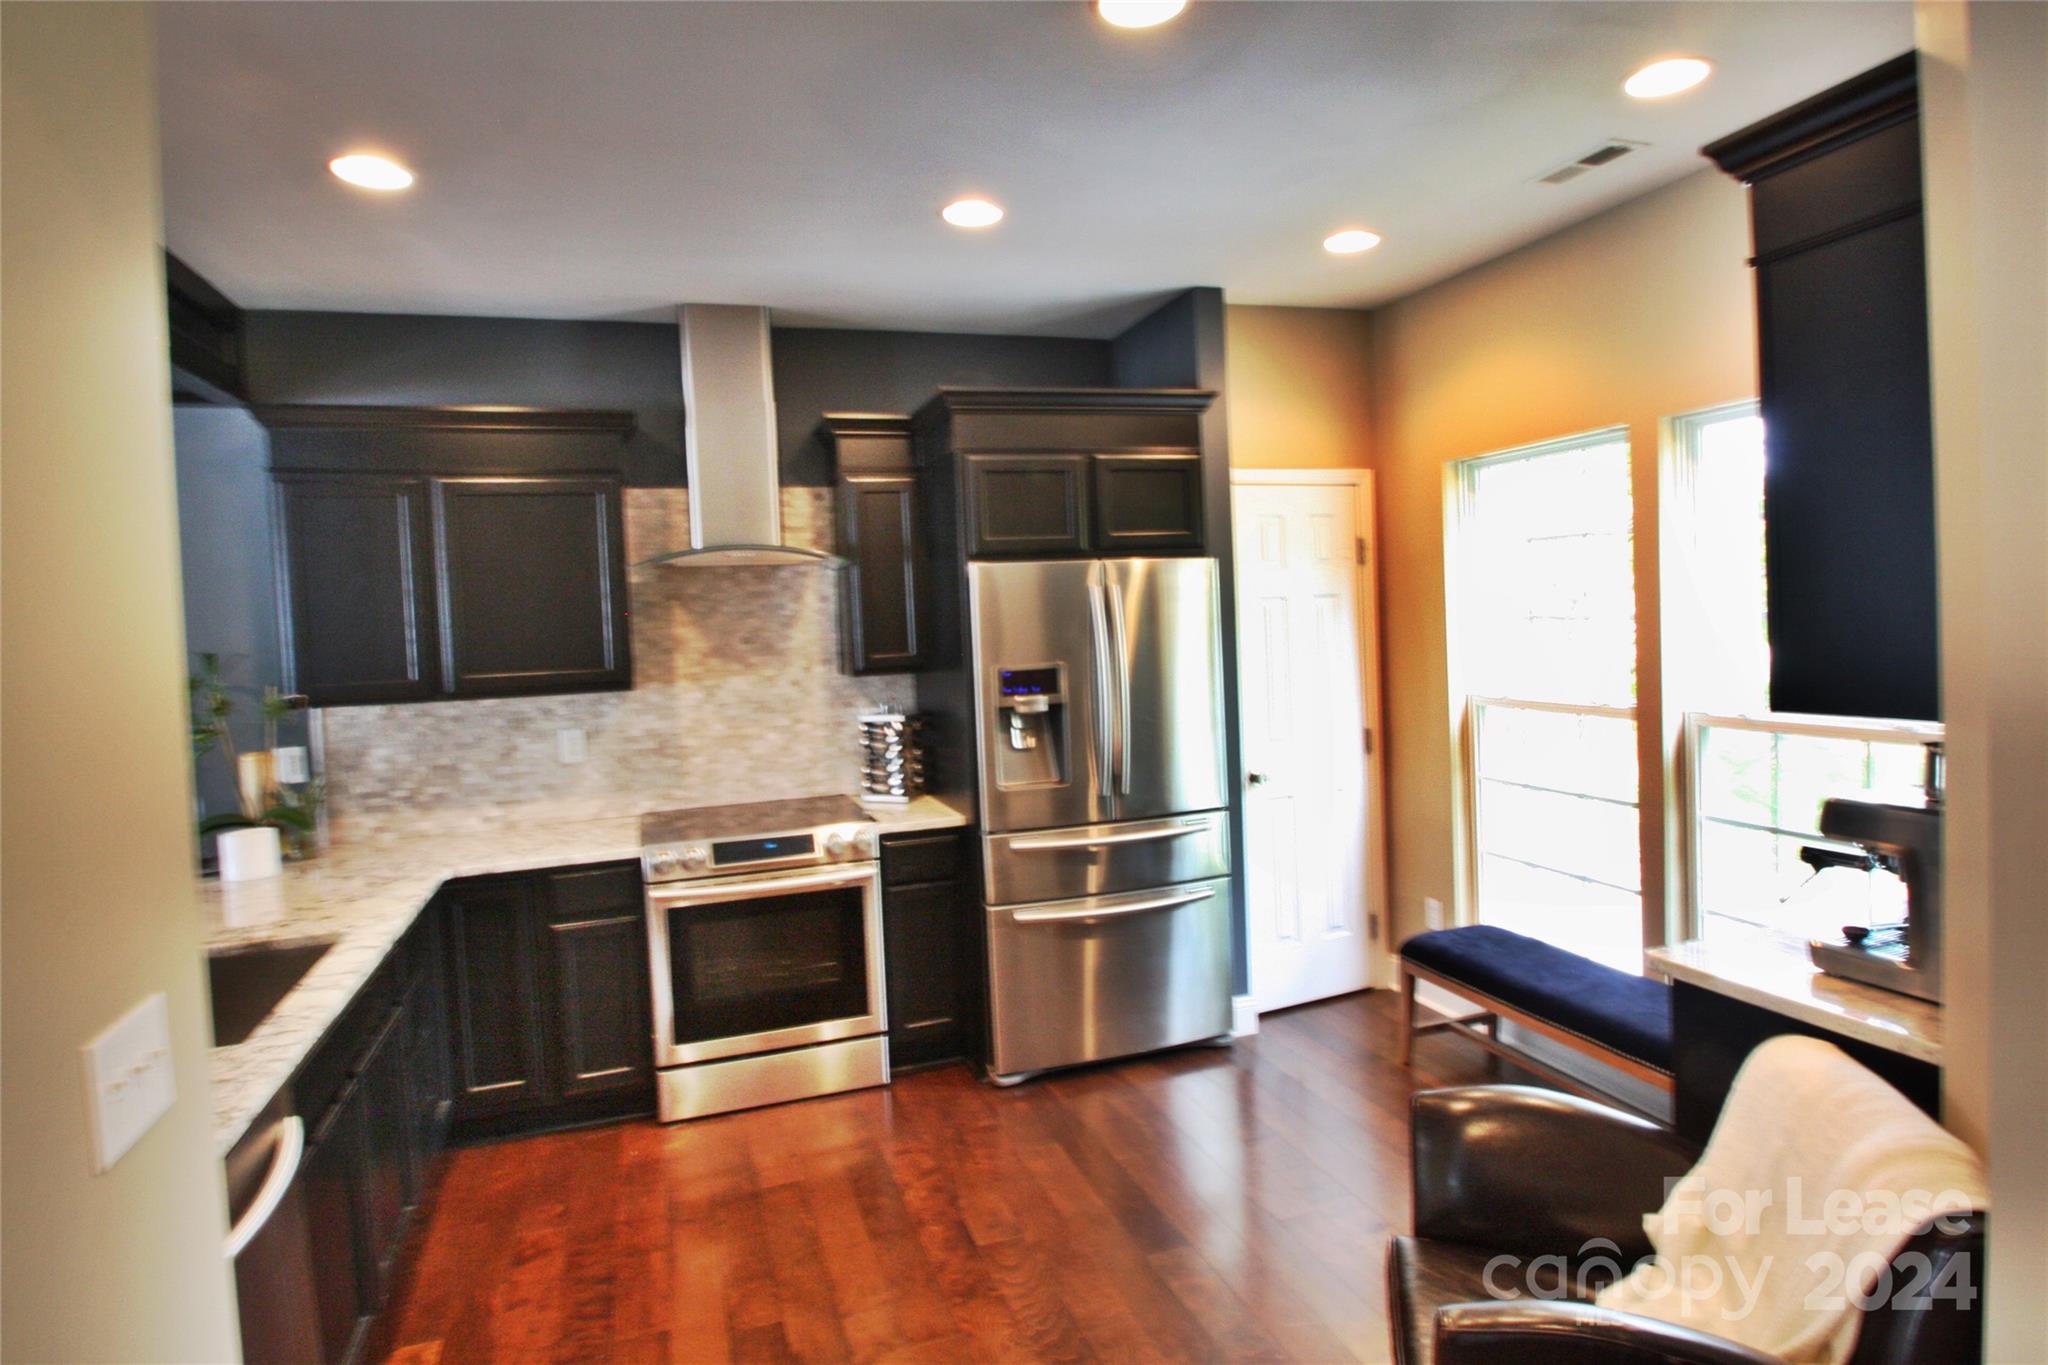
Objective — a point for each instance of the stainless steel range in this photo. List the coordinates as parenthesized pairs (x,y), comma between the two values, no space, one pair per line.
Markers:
(764,935)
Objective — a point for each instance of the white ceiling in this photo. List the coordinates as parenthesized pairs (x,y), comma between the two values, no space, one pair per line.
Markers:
(608,160)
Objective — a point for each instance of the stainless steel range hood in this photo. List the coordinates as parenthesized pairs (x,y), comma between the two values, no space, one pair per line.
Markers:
(729,443)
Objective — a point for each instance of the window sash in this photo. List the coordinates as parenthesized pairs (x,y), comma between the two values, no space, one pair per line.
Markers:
(1697,723)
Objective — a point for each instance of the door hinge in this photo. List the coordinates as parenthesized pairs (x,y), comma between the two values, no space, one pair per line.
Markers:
(1359,542)
(1368,741)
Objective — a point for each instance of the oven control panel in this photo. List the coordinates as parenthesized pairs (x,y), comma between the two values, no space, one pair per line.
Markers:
(802,848)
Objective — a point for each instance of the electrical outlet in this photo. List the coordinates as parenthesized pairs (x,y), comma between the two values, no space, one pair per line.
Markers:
(1432,912)
(571,746)
(128,1080)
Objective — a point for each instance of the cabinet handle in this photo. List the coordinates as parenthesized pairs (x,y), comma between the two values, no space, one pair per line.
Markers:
(284,1167)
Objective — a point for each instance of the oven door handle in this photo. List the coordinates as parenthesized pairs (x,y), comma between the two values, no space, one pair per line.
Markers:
(689,893)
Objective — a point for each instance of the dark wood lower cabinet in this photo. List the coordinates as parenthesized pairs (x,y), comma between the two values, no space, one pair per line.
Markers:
(493,995)
(929,949)
(387,1159)
(547,979)
(373,1098)
(598,970)
(330,1175)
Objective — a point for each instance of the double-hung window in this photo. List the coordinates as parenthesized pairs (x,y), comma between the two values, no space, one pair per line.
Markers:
(1544,640)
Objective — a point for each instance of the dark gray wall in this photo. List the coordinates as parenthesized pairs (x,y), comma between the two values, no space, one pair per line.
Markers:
(407,359)
(820,370)
(1180,344)
(223,457)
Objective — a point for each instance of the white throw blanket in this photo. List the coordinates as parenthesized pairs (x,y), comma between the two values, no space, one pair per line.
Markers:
(1816,1175)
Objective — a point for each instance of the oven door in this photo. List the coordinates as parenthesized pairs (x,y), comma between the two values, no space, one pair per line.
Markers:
(763,962)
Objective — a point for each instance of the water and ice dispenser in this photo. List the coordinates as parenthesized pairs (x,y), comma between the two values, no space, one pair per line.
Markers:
(1031,741)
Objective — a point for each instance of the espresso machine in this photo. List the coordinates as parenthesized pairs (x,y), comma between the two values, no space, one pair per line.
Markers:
(1901,834)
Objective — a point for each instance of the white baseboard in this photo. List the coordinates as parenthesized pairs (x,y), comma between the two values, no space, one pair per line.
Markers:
(1244,1016)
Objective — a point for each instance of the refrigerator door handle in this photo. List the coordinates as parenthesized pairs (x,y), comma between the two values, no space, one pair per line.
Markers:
(1120,643)
(1108,911)
(1105,744)
(1140,836)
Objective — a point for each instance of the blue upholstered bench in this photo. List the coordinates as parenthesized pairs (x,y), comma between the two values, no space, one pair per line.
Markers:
(1621,1020)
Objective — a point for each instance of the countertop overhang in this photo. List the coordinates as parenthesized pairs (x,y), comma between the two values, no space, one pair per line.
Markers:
(1773,972)
(362,897)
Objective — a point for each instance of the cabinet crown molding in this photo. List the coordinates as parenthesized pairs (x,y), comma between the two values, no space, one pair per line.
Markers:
(1858,106)
(338,416)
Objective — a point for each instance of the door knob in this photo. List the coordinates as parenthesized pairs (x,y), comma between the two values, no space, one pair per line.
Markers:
(1255,779)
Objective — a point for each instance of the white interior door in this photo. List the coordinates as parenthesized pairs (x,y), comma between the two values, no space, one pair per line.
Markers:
(1307,686)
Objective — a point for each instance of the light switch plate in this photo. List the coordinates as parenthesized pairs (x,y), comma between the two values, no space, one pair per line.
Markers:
(128,1080)
(571,746)
(1432,912)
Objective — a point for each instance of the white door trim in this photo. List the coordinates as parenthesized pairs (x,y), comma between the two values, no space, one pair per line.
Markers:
(1365,504)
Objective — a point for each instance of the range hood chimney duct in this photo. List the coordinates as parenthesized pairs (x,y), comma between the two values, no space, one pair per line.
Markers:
(729,442)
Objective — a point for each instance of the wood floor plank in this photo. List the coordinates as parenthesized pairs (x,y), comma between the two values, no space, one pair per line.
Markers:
(1201,1205)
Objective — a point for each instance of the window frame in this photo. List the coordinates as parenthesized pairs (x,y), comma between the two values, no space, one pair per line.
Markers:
(1460,493)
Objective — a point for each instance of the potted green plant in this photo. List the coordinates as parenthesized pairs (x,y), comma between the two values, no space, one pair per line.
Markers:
(293,810)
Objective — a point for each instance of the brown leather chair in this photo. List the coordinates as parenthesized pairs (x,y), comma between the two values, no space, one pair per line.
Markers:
(1528,1172)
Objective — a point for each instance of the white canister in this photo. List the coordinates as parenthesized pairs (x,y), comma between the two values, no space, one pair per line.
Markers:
(247,855)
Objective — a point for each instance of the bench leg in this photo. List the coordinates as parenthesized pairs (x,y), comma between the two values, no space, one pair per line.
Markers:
(1404,1048)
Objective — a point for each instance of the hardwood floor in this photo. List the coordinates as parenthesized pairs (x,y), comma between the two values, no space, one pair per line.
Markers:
(1208,1204)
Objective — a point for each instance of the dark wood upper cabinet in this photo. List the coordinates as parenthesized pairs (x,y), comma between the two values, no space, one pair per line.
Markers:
(1147,503)
(1033,473)
(206,331)
(1842,340)
(880,542)
(1024,505)
(532,579)
(356,609)
(415,564)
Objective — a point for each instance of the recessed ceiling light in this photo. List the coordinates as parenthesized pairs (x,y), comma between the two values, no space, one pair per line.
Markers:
(1138,13)
(371,172)
(972,213)
(1667,77)
(1350,242)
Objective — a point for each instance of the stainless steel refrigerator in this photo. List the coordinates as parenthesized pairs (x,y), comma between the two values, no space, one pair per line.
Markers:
(1106,858)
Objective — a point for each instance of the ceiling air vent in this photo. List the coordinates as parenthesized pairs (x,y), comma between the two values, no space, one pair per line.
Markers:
(1611,150)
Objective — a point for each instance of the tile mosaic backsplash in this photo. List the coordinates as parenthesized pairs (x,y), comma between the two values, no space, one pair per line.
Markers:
(737,696)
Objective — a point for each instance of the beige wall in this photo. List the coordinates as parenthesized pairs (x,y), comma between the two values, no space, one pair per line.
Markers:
(1984,130)
(97,883)
(1300,387)
(1636,315)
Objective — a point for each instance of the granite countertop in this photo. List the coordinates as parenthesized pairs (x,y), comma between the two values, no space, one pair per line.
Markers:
(361,897)
(1773,972)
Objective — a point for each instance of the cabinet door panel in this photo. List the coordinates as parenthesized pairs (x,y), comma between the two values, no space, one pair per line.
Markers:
(1026,504)
(1849,486)
(924,933)
(357,613)
(533,586)
(1148,503)
(329,1175)
(493,998)
(878,537)
(382,1187)
(603,1038)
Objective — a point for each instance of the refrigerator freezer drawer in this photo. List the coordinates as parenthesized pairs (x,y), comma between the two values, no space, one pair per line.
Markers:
(1101,860)
(1109,976)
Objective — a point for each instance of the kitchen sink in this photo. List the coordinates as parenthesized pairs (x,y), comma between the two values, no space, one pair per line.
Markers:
(247,983)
